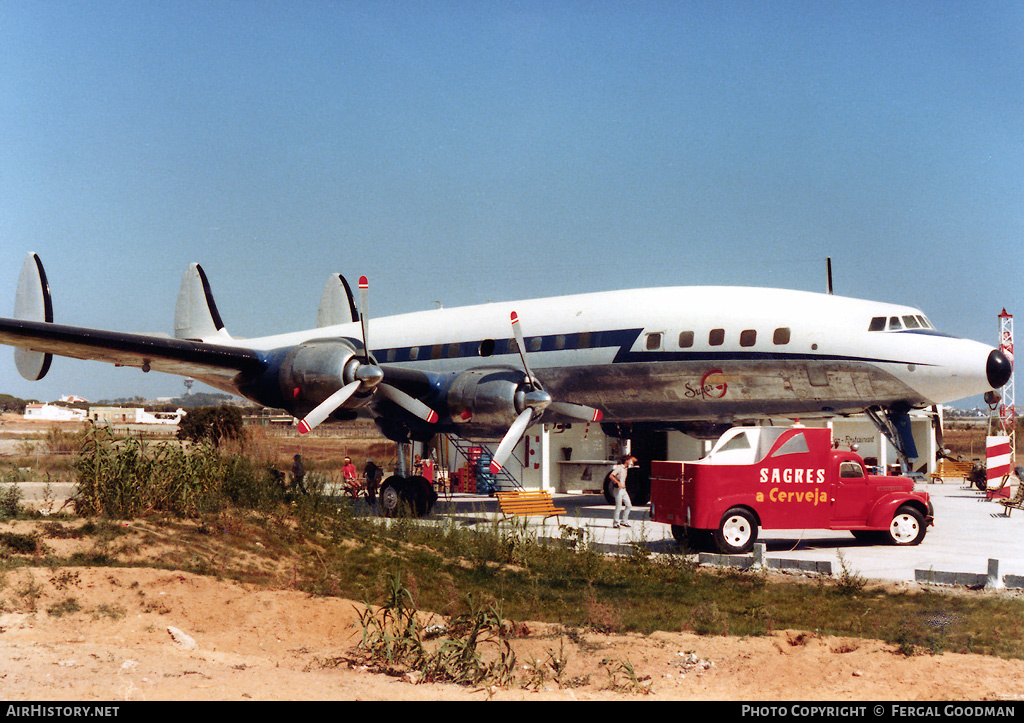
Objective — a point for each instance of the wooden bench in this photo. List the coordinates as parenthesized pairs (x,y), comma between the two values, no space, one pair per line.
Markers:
(528,503)
(951,469)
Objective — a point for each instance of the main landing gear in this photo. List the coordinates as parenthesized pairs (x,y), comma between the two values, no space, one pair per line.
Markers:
(405,494)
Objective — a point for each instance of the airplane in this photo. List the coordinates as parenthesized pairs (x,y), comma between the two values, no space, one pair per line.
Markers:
(692,359)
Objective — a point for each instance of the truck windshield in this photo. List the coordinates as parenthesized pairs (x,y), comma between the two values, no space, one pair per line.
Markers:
(797,444)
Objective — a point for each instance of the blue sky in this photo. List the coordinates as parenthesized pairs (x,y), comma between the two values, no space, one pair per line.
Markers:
(471,151)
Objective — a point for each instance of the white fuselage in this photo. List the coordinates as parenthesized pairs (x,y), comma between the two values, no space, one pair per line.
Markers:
(713,353)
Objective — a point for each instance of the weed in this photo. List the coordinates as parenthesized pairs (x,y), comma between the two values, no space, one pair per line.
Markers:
(114,612)
(10,500)
(623,678)
(849,582)
(67,606)
(393,638)
(706,619)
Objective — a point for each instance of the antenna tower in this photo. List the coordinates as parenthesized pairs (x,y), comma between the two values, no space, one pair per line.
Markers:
(1007,407)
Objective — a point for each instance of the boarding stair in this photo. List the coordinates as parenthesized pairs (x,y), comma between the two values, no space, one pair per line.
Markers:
(479,462)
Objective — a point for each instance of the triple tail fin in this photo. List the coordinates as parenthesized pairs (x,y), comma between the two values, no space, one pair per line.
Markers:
(195,314)
(32,302)
(337,306)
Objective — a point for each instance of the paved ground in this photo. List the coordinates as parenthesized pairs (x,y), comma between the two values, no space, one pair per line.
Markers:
(968,531)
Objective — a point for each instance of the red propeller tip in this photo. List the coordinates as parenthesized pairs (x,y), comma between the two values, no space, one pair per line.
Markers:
(432,417)
(303,427)
(364,283)
(515,318)
(598,415)
(495,468)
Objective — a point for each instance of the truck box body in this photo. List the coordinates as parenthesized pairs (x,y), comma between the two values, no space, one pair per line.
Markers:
(785,479)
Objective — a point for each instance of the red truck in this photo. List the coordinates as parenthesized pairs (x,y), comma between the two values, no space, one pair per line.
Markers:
(779,478)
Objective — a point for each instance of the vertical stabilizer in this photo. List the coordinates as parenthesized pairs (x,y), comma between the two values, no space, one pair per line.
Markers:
(336,304)
(195,313)
(32,303)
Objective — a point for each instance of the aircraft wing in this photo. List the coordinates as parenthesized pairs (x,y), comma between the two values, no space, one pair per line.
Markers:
(211,363)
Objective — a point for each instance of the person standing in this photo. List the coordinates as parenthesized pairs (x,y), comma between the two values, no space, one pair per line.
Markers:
(623,505)
(372,474)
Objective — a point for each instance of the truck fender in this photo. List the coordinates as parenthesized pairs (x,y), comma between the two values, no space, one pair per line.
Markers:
(882,513)
(713,515)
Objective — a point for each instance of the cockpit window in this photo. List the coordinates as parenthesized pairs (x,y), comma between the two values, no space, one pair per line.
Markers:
(896,323)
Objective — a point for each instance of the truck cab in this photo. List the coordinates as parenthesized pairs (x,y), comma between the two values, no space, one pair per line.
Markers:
(784,478)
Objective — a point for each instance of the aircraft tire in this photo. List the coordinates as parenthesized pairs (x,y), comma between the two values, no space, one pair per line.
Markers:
(609,493)
(421,495)
(391,496)
(737,532)
(907,527)
(638,485)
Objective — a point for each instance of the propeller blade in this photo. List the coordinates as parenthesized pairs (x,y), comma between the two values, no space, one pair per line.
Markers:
(510,440)
(364,312)
(323,410)
(577,411)
(517,332)
(408,403)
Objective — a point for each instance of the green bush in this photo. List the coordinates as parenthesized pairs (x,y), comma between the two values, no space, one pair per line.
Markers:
(211,424)
(127,478)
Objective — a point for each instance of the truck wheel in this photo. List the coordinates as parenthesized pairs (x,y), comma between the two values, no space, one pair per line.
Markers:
(737,531)
(907,527)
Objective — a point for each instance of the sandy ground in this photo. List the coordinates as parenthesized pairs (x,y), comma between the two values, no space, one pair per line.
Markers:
(121,642)
(145,634)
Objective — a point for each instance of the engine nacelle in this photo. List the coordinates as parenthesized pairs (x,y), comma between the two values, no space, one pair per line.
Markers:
(483,402)
(313,371)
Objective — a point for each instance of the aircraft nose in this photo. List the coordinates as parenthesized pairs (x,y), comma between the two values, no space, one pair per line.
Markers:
(999,368)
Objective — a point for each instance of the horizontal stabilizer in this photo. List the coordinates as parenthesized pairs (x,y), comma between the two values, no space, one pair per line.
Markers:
(336,304)
(195,313)
(32,302)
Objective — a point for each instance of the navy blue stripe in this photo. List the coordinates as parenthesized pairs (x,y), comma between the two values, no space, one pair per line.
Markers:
(620,339)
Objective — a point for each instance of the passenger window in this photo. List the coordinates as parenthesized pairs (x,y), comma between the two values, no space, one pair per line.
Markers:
(584,341)
(685,339)
(851,470)
(877,324)
(414,353)
(911,322)
(716,337)
(653,342)
(560,341)
(535,343)
(748,337)
(435,351)
(781,336)
(487,347)
(453,351)
(894,324)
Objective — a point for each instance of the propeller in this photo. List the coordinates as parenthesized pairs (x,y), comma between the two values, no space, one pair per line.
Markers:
(534,401)
(368,377)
